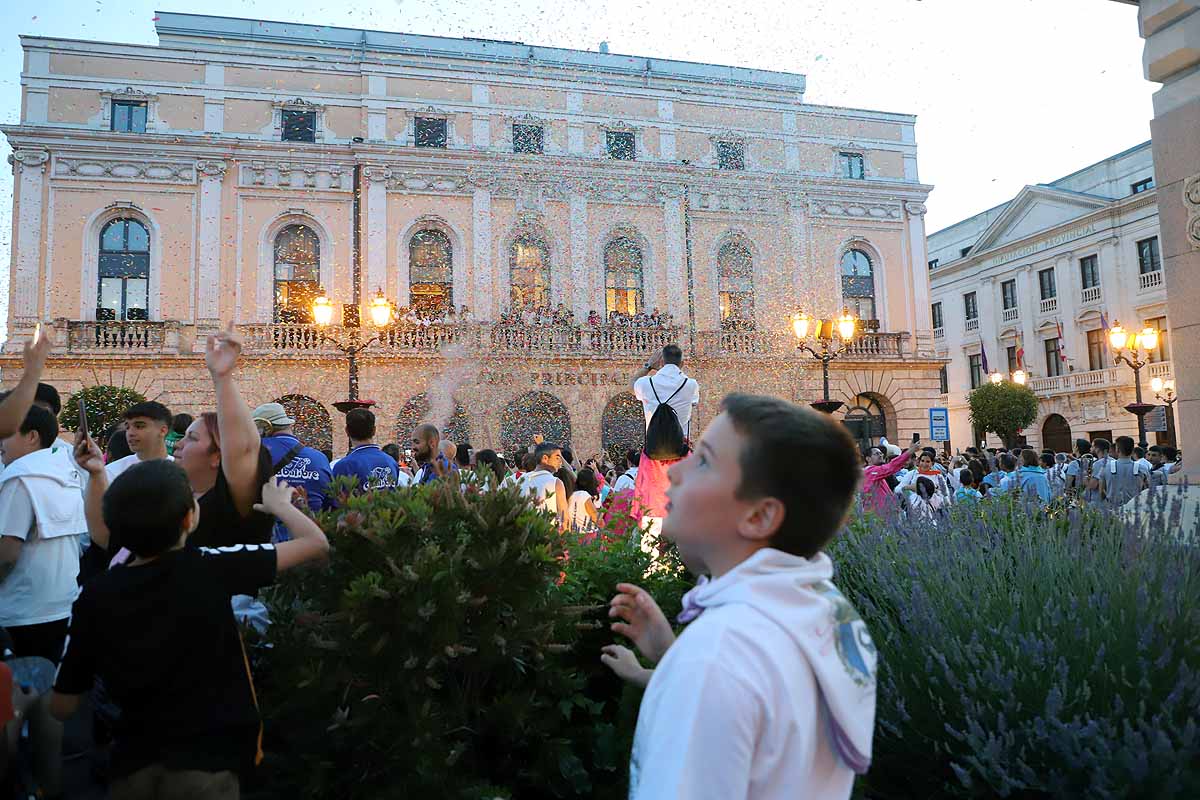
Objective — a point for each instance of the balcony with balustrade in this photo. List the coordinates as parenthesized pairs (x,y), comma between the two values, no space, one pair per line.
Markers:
(117,338)
(1048,305)
(1091,295)
(972,325)
(1149,281)
(868,346)
(1116,377)
(1011,314)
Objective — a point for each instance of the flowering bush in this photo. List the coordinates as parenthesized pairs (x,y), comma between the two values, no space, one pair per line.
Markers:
(1030,654)
(105,407)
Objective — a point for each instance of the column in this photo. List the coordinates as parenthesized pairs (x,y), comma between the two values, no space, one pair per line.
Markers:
(918,280)
(675,257)
(1114,282)
(214,106)
(481,232)
(30,166)
(804,285)
(208,240)
(585,298)
(377,244)
(1028,297)
(1070,296)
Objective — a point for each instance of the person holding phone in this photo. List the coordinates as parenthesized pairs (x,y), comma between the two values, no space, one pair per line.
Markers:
(876,496)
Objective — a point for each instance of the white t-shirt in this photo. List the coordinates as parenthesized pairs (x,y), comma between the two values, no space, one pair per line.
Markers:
(626,480)
(41,586)
(125,462)
(665,382)
(539,485)
(577,516)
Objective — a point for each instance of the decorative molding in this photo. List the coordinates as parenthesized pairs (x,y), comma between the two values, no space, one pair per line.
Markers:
(212,169)
(865,209)
(738,201)
(1191,201)
(29,160)
(375,173)
(154,122)
(436,183)
(93,167)
(297,174)
(915,209)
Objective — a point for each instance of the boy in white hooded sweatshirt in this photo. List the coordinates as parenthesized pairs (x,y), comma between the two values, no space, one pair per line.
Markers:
(770,692)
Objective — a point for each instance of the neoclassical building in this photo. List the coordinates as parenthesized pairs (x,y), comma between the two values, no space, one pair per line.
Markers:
(1033,283)
(240,169)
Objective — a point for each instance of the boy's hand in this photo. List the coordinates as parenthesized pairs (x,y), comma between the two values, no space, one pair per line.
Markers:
(88,455)
(622,661)
(34,355)
(276,497)
(643,621)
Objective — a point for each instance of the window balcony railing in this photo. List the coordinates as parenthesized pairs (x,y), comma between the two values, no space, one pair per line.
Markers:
(1114,377)
(1091,295)
(972,324)
(117,337)
(1011,314)
(1150,280)
(776,344)
(1048,306)
(939,333)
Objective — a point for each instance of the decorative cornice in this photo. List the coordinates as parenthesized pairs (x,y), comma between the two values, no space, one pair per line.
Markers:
(212,169)
(915,209)
(855,209)
(154,171)
(297,103)
(376,173)
(1191,202)
(29,159)
(129,93)
(282,175)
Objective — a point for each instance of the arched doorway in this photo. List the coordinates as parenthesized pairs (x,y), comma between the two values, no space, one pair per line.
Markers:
(313,426)
(623,426)
(1056,434)
(530,414)
(866,419)
(457,429)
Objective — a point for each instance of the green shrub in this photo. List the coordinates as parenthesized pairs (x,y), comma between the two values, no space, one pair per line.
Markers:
(105,407)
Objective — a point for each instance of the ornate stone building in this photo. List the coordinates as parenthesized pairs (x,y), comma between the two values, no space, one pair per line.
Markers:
(239,169)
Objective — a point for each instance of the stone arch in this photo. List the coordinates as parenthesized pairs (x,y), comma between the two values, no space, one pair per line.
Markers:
(265,287)
(313,425)
(736,238)
(533,413)
(1056,433)
(622,426)
(457,429)
(458,251)
(91,257)
(870,416)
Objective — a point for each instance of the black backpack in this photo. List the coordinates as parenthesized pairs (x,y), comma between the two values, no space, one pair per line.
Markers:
(664,435)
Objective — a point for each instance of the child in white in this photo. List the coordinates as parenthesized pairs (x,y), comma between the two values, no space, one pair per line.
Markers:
(770,692)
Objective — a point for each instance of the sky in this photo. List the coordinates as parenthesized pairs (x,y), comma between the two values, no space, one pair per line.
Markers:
(1006,92)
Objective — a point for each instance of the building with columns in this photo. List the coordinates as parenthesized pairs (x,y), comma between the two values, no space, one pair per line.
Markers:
(240,168)
(1034,283)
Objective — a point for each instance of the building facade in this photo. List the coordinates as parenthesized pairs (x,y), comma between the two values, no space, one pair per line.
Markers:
(1034,284)
(240,168)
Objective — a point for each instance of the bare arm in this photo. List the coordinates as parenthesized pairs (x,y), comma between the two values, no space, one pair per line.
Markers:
(89,459)
(14,407)
(10,551)
(590,508)
(647,368)
(560,502)
(239,436)
(308,542)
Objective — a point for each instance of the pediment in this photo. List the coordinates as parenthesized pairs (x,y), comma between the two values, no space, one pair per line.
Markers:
(1034,209)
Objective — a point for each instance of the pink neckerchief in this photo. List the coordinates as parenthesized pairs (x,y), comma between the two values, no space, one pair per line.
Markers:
(692,609)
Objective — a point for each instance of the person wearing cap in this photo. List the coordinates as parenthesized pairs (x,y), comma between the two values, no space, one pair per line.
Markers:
(301,466)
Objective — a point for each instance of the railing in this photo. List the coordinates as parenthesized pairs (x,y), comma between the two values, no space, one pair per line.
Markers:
(1011,314)
(599,340)
(136,337)
(286,338)
(1091,295)
(1107,378)
(939,333)
(972,324)
(1048,306)
(741,343)
(878,345)
(1159,369)
(1150,280)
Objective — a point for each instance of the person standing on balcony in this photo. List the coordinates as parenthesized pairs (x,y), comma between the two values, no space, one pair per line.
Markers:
(301,466)
(668,397)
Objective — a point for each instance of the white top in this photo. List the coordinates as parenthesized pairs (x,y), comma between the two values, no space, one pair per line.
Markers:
(577,516)
(539,485)
(626,480)
(121,464)
(666,381)
(41,586)
(1143,466)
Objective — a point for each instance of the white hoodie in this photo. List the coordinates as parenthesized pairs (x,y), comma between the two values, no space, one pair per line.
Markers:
(769,694)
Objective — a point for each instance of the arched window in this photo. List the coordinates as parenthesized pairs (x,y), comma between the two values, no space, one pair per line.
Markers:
(529,271)
(297,273)
(124,269)
(858,284)
(623,276)
(735,279)
(430,272)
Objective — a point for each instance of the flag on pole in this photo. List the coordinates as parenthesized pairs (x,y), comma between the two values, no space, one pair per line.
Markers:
(983,358)
(1062,350)
(1020,351)
(1103,322)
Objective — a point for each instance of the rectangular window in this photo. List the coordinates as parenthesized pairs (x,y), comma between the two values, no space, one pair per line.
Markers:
(970,308)
(1089,272)
(128,117)
(936,310)
(1148,258)
(1097,349)
(527,138)
(731,155)
(975,367)
(1008,293)
(933,264)
(1053,357)
(621,145)
(299,126)
(964,252)
(852,165)
(1142,186)
(1046,283)
(1163,351)
(1013,366)
(944,379)
(429,132)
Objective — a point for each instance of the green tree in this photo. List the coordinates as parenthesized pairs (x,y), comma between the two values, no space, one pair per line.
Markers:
(105,407)
(1003,408)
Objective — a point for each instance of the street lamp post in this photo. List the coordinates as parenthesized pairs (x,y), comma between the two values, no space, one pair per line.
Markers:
(822,336)
(352,344)
(1165,391)
(1121,341)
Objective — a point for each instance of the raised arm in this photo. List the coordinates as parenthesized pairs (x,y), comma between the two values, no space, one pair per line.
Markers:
(647,368)
(91,461)
(239,436)
(14,407)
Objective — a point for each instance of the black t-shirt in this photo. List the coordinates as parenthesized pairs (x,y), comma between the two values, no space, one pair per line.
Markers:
(220,523)
(163,638)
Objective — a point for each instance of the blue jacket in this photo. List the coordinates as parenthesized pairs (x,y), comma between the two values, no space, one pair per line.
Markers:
(308,469)
(373,468)
(1033,480)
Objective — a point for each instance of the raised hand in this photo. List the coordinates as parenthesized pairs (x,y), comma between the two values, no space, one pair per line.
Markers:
(88,455)
(221,352)
(622,661)
(35,352)
(276,497)
(642,621)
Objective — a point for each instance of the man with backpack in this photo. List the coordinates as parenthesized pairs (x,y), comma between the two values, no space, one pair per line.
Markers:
(668,397)
(304,468)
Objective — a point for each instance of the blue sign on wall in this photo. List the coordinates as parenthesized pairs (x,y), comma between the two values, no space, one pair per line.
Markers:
(939,424)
